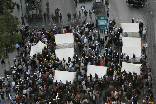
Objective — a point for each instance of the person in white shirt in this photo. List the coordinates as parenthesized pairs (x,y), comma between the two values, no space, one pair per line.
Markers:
(144,33)
(85,40)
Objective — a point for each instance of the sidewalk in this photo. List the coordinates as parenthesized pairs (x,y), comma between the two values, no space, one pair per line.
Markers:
(17,13)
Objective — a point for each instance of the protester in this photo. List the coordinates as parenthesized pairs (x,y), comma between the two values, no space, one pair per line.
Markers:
(37,85)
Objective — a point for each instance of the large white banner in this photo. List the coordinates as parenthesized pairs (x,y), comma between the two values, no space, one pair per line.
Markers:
(64,53)
(37,48)
(63,76)
(64,40)
(99,70)
(131,42)
(131,45)
(131,67)
(132,29)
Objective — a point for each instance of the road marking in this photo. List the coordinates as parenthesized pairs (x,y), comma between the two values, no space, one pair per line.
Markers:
(115,13)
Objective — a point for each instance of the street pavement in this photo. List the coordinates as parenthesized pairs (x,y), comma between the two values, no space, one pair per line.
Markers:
(151,21)
(118,10)
(19,13)
(125,13)
(152,6)
(65,6)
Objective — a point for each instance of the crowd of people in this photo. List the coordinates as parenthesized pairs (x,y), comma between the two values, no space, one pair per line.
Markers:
(33,76)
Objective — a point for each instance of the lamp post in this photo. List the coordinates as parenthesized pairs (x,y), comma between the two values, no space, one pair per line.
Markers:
(21,7)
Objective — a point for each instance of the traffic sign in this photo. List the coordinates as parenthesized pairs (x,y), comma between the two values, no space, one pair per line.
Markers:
(102,22)
(102,17)
(82,7)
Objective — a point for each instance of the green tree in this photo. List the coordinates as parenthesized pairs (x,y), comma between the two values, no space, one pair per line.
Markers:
(8,4)
(9,35)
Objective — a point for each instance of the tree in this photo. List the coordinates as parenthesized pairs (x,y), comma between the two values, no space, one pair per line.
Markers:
(8,4)
(9,35)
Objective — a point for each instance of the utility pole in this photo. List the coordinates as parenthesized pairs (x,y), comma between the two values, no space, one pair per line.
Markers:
(21,7)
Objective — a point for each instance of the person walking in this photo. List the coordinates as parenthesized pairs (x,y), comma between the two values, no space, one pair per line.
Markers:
(2,94)
(74,15)
(18,6)
(85,13)
(90,14)
(22,20)
(79,14)
(60,17)
(2,62)
(44,17)
(144,33)
(69,16)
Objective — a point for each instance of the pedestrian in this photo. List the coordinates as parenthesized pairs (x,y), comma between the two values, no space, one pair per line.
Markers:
(20,68)
(2,94)
(85,13)
(44,17)
(132,20)
(22,20)
(18,6)
(74,15)
(69,16)
(126,35)
(90,14)
(48,17)
(79,14)
(5,74)
(60,17)
(2,62)
(144,33)
(26,16)
(52,17)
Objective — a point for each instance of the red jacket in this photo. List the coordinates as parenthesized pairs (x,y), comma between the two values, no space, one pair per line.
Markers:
(102,63)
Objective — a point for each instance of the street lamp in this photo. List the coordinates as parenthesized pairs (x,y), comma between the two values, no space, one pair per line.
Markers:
(21,7)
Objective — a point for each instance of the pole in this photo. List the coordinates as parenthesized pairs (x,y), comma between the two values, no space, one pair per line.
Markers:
(21,7)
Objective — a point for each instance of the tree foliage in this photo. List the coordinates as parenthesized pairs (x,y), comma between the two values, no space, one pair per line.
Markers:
(8,34)
(8,4)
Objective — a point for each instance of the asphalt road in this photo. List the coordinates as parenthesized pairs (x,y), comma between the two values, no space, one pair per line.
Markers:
(152,5)
(124,14)
(152,39)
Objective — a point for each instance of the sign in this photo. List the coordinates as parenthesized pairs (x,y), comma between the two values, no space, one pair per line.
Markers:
(102,22)
(82,7)
(98,0)
(102,17)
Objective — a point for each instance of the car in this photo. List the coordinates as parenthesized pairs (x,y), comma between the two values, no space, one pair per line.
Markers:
(136,3)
